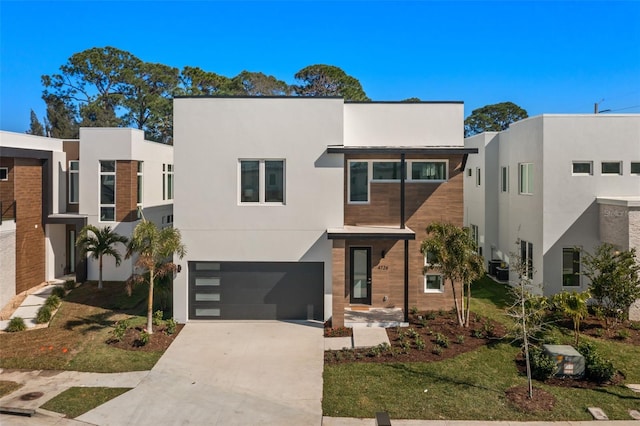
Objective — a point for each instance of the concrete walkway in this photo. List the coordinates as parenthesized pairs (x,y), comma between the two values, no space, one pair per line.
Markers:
(363,337)
(28,309)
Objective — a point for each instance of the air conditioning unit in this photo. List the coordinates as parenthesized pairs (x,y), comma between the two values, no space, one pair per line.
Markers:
(569,361)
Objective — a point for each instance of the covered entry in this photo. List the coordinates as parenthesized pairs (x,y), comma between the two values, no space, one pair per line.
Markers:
(256,290)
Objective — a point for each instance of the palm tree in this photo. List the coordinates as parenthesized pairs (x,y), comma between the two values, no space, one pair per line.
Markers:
(452,251)
(154,247)
(573,305)
(99,242)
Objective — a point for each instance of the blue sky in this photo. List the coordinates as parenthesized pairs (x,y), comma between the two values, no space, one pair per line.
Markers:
(546,56)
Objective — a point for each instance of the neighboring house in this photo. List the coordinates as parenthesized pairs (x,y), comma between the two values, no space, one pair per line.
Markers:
(558,184)
(297,208)
(50,189)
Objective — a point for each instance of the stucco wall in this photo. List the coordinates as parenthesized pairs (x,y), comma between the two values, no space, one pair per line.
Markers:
(7,262)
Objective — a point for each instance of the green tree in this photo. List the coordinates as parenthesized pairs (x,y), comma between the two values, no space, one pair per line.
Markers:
(493,118)
(99,242)
(615,279)
(451,250)
(573,305)
(154,248)
(409,100)
(259,84)
(60,121)
(35,127)
(328,80)
(197,82)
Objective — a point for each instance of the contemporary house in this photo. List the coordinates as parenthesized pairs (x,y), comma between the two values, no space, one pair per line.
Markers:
(50,189)
(312,208)
(556,184)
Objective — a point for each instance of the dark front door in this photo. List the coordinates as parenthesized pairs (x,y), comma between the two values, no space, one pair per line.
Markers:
(360,260)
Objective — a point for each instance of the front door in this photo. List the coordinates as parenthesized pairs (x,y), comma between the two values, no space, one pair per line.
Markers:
(360,260)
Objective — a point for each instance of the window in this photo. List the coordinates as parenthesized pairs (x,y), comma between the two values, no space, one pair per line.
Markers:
(470,172)
(504,179)
(140,191)
(611,167)
(429,170)
(4,173)
(570,267)
(107,191)
(169,181)
(526,178)
(262,181)
(358,182)
(478,176)
(433,283)
(526,257)
(582,168)
(74,181)
(430,259)
(164,181)
(635,168)
(386,170)
(475,235)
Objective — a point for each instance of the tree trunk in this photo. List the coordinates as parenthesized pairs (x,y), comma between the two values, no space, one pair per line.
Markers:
(100,273)
(457,305)
(466,319)
(150,303)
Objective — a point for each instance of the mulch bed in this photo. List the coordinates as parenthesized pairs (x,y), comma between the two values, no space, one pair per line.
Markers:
(427,328)
(624,331)
(158,341)
(541,401)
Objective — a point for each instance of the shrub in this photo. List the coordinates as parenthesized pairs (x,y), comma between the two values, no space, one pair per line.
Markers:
(412,333)
(58,291)
(437,350)
(543,366)
(623,334)
(69,285)
(598,369)
(442,340)
(430,315)
(144,337)
(157,317)
(120,330)
(406,347)
(599,332)
(16,324)
(488,329)
(635,325)
(413,310)
(478,334)
(53,302)
(171,326)
(460,339)
(420,344)
(44,314)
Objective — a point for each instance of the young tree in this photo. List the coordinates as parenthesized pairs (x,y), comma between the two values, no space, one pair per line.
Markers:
(328,80)
(36,127)
(154,247)
(493,118)
(451,250)
(573,305)
(99,242)
(615,279)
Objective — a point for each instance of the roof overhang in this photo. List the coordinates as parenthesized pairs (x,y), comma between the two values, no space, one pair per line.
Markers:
(631,201)
(350,232)
(79,220)
(421,150)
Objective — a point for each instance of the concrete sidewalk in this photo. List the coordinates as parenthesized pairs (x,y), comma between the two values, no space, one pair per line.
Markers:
(363,337)
(346,421)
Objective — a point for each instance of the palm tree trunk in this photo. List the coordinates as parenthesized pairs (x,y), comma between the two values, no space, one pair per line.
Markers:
(100,273)
(150,302)
(466,318)
(455,301)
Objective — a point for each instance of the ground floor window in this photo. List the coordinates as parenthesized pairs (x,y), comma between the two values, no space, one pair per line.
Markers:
(433,283)
(570,267)
(526,257)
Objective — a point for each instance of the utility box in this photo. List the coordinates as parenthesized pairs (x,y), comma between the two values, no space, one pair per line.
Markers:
(569,361)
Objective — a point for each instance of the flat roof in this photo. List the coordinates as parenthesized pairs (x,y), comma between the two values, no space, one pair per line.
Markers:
(370,232)
(422,150)
(630,201)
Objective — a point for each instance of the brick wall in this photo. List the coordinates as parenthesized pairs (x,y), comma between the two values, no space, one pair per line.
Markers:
(126,190)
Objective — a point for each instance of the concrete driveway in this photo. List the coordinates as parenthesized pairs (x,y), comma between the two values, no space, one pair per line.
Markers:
(228,373)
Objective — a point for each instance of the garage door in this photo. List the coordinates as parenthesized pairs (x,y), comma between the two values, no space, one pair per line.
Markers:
(256,290)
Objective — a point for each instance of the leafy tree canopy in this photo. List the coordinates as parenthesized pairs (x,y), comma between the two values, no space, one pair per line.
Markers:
(328,80)
(35,127)
(493,118)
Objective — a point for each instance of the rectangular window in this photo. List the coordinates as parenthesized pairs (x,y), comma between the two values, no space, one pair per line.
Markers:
(611,167)
(358,182)
(140,192)
(526,257)
(478,176)
(504,179)
(470,172)
(107,191)
(262,181)
(74,181)
(429,170)
(169,181)
(475,235)
(582,168)
(570,267)
(4,173)
(635,168)
(526,178)
(433,283)
(386,170)
(164,181)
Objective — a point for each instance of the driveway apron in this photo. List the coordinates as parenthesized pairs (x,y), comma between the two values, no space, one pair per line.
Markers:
(228,373)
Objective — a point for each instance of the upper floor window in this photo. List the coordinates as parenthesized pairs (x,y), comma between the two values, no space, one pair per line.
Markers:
(4,173)
(433,281)
(635,168)
(582,168)
(478,182)
(358,182)
(140,191)
(262,181)
(167,181)
(386,170)
(526,178)
(570,267)
(469,172)
(611,168)
(504,179)
(74,181)
(429,170)
(107,191)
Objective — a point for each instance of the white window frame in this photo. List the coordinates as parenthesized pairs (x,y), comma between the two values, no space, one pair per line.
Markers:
(523,179)
(410,171)
(432,290)
(370,170)
(262,183)
(73,173)
(504,179)
(602,163)
(115,189)
(6,173)
(140,186)
(631,168)
(590,163)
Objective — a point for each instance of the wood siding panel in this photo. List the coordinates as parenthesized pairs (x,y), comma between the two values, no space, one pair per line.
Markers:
(126,190)
(30,236)
(7,194)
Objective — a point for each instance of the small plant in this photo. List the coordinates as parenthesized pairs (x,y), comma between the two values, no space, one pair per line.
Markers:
(623,334)
(420,344)
(422,322)
(401,334)
(437,350)
(599,332)
(635,325)
(441,312)
(44,314)
(478,334)
(442,340)
(144,337)
(16,324)
(157,318)
(598,369)
(58,291)
(413,310)
(488,329)
(377,351)
(337,332)
(412,333)
(430,315)
(120,330)
(460,339)
(543,367)
(69,285)
(171,326)
(406,347)
(53,302)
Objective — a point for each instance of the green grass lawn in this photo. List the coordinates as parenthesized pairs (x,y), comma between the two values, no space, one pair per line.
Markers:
(76,336)
(6,387)
(472,385)
(78,400)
